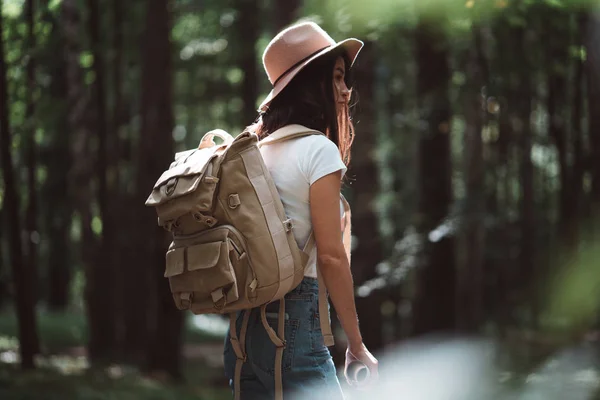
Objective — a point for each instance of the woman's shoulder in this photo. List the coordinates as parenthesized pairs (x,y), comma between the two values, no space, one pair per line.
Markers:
(317,141)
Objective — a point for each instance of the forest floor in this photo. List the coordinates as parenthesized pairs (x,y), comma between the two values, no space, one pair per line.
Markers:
(567,372)
(63,372)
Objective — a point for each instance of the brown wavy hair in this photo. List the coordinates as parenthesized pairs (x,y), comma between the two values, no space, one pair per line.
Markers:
(309,100)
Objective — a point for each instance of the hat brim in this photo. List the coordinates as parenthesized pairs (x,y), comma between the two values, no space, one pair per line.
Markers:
(352,47)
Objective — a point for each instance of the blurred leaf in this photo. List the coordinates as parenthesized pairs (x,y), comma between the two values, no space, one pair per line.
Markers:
(576,289)
(555,3)
(234,75)
(86,59)
(97,225)
(42,174)
(54,4)
(516,20)
(90,77)
(12,8)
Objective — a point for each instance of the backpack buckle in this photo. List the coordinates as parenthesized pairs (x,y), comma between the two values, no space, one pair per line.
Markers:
(186,299)
(219,296)
(287,224)
(233,201)
(169,187)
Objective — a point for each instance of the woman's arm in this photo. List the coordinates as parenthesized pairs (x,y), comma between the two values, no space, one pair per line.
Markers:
(332,258)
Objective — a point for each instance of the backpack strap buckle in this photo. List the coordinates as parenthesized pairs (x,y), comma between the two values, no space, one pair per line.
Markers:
(186,299)
(169,187)
(233,201)
(219,299)
(288,225)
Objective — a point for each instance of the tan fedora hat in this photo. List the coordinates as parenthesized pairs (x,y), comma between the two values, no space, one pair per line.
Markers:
(294,48)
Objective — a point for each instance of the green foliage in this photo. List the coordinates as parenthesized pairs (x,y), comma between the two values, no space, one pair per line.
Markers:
(97,225)
(58,331)
(86,59)
(12,8)
(575,289)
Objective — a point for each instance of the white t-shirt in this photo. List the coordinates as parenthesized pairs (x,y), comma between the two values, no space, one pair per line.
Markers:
(296,164)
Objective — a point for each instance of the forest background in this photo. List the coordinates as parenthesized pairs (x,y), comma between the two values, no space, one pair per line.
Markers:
(475,184)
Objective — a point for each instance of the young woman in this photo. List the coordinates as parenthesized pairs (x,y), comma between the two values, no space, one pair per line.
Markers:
(310,74)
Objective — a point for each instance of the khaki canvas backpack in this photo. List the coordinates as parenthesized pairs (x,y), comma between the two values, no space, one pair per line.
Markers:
(233,247)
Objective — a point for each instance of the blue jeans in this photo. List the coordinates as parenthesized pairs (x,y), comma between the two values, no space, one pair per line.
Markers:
(308,369)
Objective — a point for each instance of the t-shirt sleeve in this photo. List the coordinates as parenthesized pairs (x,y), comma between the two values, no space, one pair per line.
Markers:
(322,158)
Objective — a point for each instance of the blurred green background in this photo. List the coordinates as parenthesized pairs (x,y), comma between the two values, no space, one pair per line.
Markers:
(474,183)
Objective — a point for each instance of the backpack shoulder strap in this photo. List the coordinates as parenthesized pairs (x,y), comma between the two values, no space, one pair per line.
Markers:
(288,132)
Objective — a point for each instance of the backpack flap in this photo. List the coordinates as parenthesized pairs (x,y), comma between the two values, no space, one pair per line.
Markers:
(185,187)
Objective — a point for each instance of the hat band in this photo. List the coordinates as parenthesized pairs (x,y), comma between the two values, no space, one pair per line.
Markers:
(287,71)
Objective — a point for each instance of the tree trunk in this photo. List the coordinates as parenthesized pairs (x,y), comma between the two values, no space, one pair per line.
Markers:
(592,67)
(101,293)
(3,263)
(81,171)
(578,169)
(58,161)
(116,239)
(286,12)
(470,290)
(557,59)
(367,251)
(31,215)
(156,153)
(248,35)
(434,307)
(21,271)
(522,129)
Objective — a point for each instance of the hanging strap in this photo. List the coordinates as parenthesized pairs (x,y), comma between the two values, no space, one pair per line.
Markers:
(278,340)
(239,347)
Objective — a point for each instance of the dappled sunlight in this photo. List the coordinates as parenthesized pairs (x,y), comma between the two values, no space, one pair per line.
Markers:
(214,325)
(574,290)
(474,187)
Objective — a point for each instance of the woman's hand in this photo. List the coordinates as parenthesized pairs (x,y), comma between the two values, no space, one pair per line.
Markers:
(356,357)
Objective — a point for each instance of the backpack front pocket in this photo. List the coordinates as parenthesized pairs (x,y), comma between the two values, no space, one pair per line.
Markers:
(203,274)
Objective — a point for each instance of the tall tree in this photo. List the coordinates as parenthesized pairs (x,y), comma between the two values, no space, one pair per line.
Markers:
(470,282)
(81,173)
(101,273)
(156,148)
(557,23)
(3,275)
(434,308)
(31,215)
(57,158)
(521,116)
(579,154)
(286,12)
(248,31)
(116,239)
(365,186)
(592,36)
(21,271)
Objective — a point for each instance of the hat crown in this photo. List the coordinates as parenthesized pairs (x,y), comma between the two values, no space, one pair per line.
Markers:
(293,45)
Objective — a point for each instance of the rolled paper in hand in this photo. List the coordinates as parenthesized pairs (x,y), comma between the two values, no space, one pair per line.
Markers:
(357,373)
